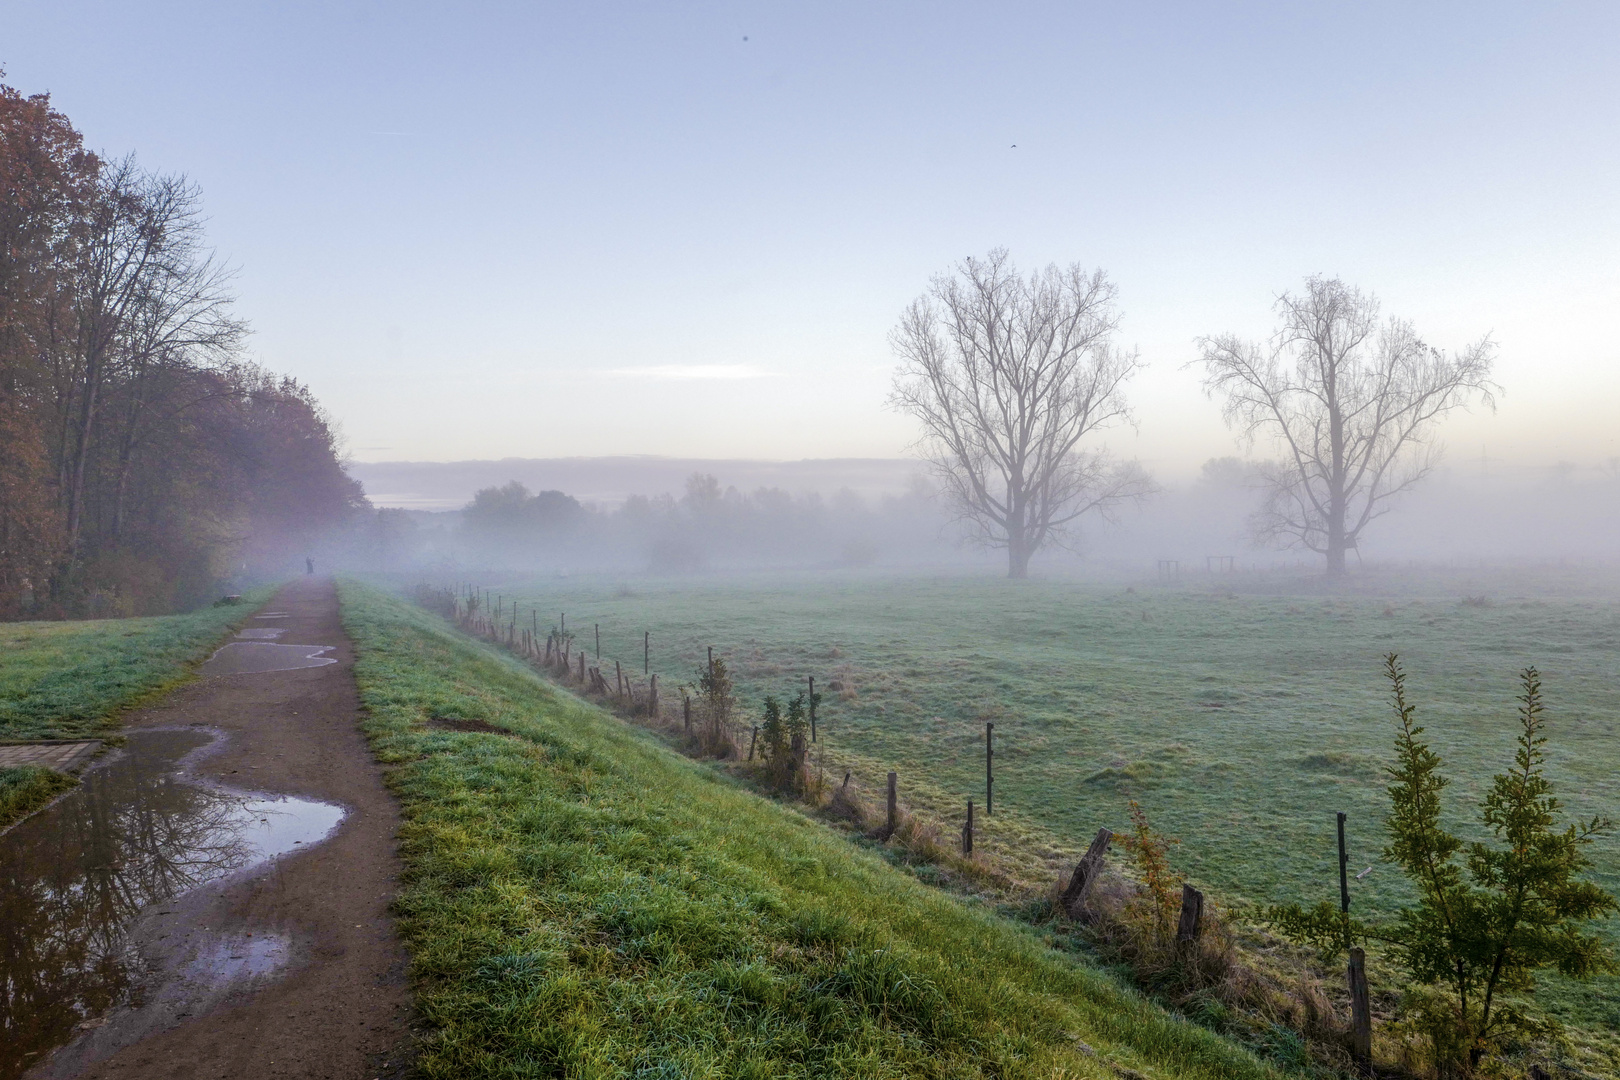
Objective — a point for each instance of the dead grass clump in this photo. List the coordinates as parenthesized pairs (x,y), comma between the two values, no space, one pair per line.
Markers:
(922,840)
(1131,918)
(847,805)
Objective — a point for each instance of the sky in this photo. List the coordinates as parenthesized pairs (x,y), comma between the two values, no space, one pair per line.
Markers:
(486,230)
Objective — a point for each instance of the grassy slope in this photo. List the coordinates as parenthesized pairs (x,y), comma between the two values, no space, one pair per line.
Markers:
(581,901)
(67,680)
(1241,723)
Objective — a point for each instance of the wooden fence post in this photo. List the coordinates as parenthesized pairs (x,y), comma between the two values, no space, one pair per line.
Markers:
(618,678)
(989,768)
(812,708)
(1192,918)
(646,652)
(1360,1011)
(1360,1002)
(598,627)
(752,739)
(582,665)
(686,712)
(1085,875)
(894,806)
(653,709)
(967,831)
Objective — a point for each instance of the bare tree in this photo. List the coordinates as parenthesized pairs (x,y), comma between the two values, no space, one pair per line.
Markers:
(1008,376)
(1350,400)
(146,290)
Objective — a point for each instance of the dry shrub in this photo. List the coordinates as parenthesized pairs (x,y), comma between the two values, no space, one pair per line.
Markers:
(846,804)
(1132,918)
(922,840)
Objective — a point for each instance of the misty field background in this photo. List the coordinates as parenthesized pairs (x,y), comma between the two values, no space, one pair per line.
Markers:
(1241,712)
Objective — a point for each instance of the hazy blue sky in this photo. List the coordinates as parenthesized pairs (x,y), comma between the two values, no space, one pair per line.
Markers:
(499,229)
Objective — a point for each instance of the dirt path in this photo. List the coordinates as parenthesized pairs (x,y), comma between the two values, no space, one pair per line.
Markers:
(338,1006)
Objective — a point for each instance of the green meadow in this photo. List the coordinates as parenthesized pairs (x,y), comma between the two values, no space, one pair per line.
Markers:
(580,900)
(1242,721)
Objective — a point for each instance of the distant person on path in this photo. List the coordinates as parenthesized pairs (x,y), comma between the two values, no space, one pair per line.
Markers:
(309,565)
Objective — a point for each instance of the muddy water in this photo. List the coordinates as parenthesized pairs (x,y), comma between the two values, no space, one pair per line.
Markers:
(76,878)
(255,657)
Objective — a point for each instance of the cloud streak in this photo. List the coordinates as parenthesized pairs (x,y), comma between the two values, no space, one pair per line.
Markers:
(686,372)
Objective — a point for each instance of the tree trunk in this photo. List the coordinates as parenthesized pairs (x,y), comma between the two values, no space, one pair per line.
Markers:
(1017,558)
(1335,558)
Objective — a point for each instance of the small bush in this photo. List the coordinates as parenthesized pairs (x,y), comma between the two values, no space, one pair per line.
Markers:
(1488,915)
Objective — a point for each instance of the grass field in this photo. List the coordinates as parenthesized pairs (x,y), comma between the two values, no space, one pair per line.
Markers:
(579,900)
(1241,721)
(67,680)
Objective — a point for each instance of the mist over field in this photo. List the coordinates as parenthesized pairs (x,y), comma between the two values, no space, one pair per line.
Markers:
(636,515)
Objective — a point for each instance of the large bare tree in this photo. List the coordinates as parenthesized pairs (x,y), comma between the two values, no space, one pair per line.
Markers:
(1008,376)
(1350,401)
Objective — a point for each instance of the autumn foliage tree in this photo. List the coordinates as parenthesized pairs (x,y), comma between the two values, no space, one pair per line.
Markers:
(141,457)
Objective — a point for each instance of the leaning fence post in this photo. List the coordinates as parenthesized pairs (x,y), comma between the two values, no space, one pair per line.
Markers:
(618,678)
(894,806)
(967,831)
(1192,918)
(1085,875)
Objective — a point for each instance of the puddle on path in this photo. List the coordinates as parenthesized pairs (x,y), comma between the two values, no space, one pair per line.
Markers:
(75,877)
(261,632)
(249,657)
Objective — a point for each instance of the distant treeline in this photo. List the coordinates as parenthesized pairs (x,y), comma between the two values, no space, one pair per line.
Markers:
(709,527)
(143,460)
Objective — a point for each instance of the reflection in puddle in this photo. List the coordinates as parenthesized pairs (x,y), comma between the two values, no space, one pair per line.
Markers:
(74,877)
(248,657)
(261,632)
